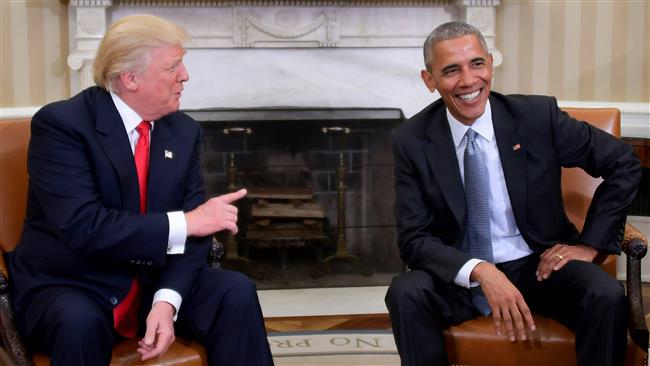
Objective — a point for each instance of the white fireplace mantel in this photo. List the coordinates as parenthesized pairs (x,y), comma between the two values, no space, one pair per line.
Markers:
(254,53)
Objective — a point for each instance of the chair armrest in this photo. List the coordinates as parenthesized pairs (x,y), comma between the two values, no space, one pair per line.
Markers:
(635,246)
(217,254)
(10,338)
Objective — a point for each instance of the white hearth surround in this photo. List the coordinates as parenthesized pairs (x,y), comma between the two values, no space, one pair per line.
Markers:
(259,53)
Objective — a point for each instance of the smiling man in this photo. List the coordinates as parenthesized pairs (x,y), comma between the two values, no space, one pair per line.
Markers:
(480,218)
(118,230)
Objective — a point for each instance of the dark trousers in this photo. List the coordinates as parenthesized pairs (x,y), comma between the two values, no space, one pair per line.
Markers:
(221,312)
(580,295)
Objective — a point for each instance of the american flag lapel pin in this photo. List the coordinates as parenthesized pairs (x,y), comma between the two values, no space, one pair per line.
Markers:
(169,154)
(516,147)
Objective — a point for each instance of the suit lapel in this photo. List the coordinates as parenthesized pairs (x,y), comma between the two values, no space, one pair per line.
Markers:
(161,159)
(118,149)
(441,157)
(512,145)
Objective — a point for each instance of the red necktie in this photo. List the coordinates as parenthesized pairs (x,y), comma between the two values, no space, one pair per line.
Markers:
(125,314)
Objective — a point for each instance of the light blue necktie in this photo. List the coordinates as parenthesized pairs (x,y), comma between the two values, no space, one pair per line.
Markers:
(477,201)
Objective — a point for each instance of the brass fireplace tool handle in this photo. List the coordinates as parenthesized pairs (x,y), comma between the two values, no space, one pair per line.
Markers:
(235,130)
(232,258)
(336,130)
(342,253)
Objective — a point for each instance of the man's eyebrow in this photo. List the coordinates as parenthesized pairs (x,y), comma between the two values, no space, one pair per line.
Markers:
(452,66)
(449,67)
(172,63)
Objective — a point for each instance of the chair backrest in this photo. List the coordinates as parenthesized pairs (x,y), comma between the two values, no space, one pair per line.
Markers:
(578,187)
(14,138)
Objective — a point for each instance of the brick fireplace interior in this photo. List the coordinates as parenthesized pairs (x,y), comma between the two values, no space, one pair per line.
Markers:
(320,206)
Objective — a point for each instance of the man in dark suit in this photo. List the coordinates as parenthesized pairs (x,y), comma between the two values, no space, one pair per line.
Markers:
(117,223)
(536,259)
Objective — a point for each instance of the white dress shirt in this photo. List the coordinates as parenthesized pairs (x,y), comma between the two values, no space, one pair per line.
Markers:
(177,225)
(507,243)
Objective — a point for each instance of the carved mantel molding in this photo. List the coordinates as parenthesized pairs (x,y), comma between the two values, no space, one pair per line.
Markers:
(287,24)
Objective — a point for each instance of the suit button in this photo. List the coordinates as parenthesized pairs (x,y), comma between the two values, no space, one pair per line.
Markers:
(113,300)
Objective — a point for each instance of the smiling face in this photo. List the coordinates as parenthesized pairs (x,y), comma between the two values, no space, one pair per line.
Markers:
(461,71)
(159,86)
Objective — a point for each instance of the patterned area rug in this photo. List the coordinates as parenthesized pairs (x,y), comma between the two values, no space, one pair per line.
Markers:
(340,348)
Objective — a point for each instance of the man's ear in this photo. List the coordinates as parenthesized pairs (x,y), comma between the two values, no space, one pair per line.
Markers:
(128,80)
(428,80)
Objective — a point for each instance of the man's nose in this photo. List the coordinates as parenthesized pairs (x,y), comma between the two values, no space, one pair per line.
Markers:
(183,75)
(466,77)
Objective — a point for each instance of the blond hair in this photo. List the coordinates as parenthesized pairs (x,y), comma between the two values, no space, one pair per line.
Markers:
(127,46)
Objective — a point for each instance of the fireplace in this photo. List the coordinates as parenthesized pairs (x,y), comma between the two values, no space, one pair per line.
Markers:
(334,54)
(320,181)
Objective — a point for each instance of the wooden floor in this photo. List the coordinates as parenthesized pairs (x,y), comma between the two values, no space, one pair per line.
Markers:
(328,322)
(361,322)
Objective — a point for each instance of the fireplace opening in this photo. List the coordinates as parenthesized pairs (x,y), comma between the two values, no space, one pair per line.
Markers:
(319,209)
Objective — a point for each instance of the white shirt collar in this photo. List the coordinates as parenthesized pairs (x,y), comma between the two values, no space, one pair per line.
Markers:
(483,126)
(129,117)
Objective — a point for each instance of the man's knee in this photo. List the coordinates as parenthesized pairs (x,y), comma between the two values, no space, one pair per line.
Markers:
(78,324)
(408,289)
(242,290)
(608,295)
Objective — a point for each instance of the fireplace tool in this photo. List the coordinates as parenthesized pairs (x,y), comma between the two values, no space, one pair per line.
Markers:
(342,253)
(233,259)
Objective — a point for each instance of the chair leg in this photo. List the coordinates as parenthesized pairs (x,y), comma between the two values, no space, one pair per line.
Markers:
(10,338)
(635,246)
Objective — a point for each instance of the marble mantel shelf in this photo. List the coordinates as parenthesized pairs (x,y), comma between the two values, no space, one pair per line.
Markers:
(328,53)
(270,2)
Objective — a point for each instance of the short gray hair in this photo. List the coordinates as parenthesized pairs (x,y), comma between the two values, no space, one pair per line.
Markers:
(446,31)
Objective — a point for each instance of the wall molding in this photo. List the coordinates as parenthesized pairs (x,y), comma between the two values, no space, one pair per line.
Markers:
(20,112)
(635,117)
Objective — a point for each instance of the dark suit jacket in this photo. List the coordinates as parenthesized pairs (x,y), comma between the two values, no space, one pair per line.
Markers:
(430,201)
(83,228)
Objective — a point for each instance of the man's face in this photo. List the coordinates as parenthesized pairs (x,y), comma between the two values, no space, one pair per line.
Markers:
(160,85)
(462,73)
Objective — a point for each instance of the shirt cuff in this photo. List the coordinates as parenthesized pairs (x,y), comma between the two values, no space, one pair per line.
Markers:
(177,232)
(170,296)
(462,277)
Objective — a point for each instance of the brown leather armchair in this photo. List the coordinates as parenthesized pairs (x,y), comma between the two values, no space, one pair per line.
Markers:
(14,137)
(475,342)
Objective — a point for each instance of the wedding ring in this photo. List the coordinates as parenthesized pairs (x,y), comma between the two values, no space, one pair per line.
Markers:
(559,256)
